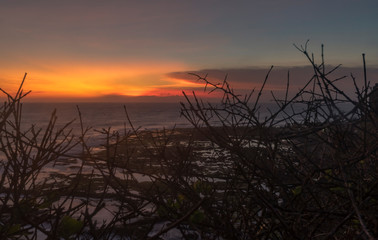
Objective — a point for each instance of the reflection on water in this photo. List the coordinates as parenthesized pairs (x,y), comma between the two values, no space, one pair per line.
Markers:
(104,115)
(100,115)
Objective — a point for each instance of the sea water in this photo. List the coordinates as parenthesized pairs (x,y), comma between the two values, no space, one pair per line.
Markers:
(103,115)
(98,116)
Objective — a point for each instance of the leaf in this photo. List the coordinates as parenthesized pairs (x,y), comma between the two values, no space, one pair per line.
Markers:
(197,217)
(296,191)
(337,189)
(69,226)
(14,229)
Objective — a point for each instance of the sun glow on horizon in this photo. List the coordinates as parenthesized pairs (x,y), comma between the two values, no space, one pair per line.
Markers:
(97,80)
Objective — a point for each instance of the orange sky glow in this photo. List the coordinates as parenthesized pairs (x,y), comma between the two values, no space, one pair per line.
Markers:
(65,81)
(118,50)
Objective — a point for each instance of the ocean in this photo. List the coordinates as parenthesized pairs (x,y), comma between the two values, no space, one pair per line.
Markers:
(103,115)
(146,116)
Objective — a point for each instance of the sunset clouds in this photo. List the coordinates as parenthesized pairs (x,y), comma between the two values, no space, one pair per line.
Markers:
(243,80)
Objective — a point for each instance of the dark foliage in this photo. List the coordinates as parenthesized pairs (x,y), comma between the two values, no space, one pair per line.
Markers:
(307,170)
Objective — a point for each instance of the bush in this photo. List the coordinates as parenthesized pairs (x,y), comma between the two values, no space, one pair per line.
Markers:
(306,171)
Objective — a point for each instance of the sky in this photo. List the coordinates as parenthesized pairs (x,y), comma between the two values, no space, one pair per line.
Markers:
(92,50)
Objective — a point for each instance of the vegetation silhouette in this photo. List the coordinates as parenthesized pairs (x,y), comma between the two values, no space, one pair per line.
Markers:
(308,170)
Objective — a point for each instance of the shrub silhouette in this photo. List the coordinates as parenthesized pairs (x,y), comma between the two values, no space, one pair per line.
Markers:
(311,177)
(306,171)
